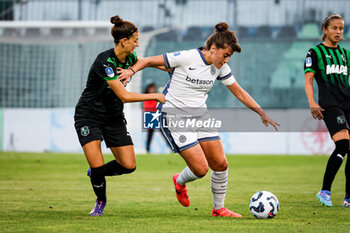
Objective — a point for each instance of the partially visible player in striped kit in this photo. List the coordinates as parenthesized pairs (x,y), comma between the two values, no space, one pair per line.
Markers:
(328,63)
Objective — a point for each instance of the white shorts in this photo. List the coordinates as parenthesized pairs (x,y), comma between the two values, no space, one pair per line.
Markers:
(181,136)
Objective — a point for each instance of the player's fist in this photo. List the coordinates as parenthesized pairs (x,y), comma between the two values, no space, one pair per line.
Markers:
(160,98)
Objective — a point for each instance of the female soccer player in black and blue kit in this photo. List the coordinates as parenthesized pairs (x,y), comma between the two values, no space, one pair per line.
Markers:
(99,112)
(329,64)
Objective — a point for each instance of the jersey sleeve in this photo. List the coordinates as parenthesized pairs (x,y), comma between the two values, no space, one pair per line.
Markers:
(226,76)
(310,64)
(175,59)
(133,58)
(105,68)
(107,71)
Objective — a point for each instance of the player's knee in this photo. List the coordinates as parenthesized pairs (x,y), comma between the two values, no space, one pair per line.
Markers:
(129,167)
(342,147)
(129,170)
(202,171)
(126,170)
(128,164)
(220,165)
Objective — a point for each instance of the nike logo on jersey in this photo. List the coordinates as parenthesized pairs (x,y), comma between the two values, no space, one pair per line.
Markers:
(329,56)
(337,69)
(190,68)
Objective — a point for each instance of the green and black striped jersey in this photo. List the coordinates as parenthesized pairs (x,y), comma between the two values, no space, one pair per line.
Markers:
(97,95)
(331,69)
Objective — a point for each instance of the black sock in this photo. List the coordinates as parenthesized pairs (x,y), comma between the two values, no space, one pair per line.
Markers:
(334,163)
(347,177)
(113,168)
(98,182)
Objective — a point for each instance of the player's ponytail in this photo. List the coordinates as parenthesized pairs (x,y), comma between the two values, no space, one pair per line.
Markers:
(327,21)
(116,20)
(223,37)
(221,27)
(122,28)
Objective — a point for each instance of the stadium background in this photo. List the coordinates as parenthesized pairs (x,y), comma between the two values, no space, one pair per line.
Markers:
(47,47)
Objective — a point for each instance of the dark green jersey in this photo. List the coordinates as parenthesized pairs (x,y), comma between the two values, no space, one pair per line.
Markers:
(331,69)
(98,96)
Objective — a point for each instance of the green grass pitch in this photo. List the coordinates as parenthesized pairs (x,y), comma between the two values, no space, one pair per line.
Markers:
(50,192)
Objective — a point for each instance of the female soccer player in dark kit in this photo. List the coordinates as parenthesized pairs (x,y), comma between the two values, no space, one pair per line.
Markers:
(328,63)
(99,111)
(193,75)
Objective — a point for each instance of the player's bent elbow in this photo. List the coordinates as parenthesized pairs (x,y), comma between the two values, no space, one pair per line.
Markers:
(125,98)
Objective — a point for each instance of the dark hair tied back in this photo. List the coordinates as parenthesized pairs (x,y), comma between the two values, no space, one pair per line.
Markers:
(223,37)
(122,28)
(116,20)
(221,27)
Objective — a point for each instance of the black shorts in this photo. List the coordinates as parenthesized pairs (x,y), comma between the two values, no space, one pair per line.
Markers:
(336,119)
(112,130)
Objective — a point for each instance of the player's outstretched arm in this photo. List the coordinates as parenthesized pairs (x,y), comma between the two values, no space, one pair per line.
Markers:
(125,96)
(248,101)
(156,62)
(316,110)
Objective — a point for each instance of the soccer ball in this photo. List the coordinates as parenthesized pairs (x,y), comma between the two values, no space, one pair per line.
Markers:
(264,204)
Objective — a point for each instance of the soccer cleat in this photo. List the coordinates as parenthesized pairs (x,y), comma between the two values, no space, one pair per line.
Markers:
(181,192)
(89,172)
(224,212)
(346,202)
(98,208)
(324,196)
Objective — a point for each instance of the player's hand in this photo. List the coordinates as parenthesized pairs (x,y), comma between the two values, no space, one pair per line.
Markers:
(160,98)
(267,120)
(316,111)
(124,75)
